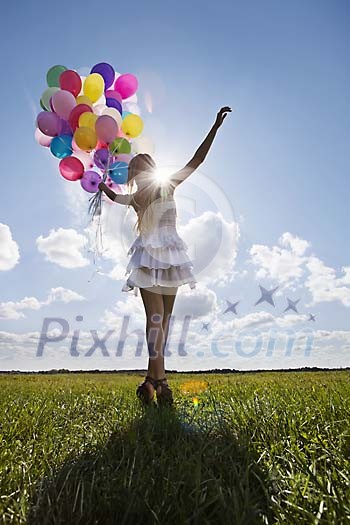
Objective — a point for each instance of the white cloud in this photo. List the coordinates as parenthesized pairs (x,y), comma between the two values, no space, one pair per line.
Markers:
(9,252)
(131,307)
(63,247)
(297,245)
(260,319)
(212,246)
(328,349)
(64,295)
(287,264)
(14,309)
(324,285)
(198,302)
(283,263)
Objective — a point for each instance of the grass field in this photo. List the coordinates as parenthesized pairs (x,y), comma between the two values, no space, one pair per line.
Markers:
(237,449)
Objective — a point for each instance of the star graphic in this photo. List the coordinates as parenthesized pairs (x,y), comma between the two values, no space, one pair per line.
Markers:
(231,307)
(205,326)
(292,305)
(266,295)
(312,317)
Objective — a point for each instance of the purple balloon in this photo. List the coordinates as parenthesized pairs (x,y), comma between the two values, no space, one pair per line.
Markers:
(111,93)
(114,103)
(63,102)
(65,128)
(101,158)
(90,181)
(49,123)
(106,128)
(106,71)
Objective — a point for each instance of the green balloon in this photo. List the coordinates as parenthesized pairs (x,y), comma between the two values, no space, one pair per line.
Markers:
(45,97)
(53,75)
(120,145)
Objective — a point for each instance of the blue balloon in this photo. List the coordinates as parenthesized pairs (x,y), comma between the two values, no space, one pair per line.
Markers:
(125,114)
(119,172)
(113,103)
(61,146)
(106,71)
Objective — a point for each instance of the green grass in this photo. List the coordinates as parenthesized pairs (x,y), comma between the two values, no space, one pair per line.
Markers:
(258,448)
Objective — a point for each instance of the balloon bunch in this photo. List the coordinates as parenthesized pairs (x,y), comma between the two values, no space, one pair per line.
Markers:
(92,125)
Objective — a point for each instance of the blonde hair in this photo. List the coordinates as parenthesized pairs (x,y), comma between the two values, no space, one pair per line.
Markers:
(145,212)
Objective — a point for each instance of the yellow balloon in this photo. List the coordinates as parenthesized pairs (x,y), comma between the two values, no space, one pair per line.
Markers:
(83,99)
(87,120)
(94,86)
(85,138)
(132,125)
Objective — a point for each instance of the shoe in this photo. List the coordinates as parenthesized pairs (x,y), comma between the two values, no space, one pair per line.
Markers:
(143,392)
(165,395)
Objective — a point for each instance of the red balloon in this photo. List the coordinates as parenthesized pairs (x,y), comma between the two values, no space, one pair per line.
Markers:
(70,81)
(71,168)
(101,145)
(75,114)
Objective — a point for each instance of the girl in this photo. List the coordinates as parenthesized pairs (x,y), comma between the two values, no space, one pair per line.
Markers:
(159,263)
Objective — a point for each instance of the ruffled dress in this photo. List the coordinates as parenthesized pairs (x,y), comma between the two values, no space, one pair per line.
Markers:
(159,256)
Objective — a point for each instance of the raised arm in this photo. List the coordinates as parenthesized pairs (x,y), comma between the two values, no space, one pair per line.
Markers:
(201,152)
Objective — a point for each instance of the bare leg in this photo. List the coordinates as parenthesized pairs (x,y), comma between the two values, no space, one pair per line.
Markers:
(168,302)
(154,308)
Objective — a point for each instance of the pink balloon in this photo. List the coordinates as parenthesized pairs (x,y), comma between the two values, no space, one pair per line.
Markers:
(85,158)
(43,140)
(75,146)
(106,128)
(71,168)
(122,134)
(126,85)
(49,123)
(111,93)
(111,184)
(123,157)
(63,102)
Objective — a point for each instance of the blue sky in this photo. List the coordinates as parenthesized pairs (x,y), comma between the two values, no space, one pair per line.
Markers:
(280,162)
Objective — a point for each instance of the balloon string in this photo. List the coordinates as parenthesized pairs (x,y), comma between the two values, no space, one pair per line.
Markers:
(95,210)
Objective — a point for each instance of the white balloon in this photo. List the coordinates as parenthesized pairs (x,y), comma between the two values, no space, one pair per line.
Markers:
(133,98)
(99,109)
(114,113)
(82,85)
(142,145)
(132,107)
(42,139)
(101,100)
(85,158)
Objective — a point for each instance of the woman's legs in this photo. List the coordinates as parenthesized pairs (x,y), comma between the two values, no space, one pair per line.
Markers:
(158,308)
(168,302)
(153,303)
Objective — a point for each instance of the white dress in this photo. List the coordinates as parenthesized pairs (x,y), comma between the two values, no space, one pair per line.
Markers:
(159,256)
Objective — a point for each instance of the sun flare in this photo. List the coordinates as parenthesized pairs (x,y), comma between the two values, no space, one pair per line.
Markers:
(162,175)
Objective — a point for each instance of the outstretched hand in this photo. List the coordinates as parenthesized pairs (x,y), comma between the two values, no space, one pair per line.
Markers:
(222,114)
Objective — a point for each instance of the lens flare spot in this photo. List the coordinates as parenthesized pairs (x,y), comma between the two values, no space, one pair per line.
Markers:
(162,175)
